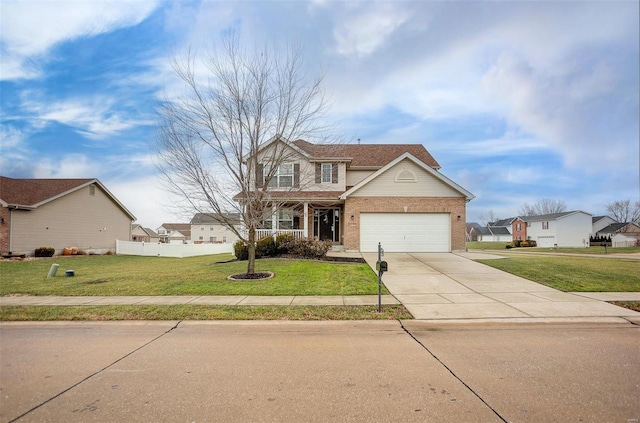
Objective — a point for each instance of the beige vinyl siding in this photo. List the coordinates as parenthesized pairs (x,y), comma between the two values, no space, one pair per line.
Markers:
(78,219)
(307,172)
(354,177)
(424,185)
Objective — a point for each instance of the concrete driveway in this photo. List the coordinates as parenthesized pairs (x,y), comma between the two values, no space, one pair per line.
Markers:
(450,286)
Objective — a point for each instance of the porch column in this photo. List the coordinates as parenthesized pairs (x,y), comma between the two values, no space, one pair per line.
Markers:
(306,220)
(274,219)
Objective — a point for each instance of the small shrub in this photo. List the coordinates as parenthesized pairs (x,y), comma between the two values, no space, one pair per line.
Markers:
(508,246)
(241,250)
(516,243)
(45,252)
(307,248)
(283,241)
(525,244)
(265,247)
(533,243)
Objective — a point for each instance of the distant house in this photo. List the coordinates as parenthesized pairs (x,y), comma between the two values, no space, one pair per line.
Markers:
(493,234)
(498,231)
(600,222)
(142,234)
(209,228)
(622,234)
(471,231)
(174,232)
(567,229)
(60,213)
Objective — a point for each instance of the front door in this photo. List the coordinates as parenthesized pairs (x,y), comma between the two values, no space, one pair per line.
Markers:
(327,224)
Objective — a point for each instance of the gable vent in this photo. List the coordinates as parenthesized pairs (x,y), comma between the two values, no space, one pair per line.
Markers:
(406,175)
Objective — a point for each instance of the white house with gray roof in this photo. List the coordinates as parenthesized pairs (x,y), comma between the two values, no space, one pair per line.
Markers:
(567,229)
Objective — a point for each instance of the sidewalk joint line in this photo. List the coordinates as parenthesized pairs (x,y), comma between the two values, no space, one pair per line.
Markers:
(93,374)
(452,373)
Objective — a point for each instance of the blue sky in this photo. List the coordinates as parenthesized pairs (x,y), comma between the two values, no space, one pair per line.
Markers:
(518,101)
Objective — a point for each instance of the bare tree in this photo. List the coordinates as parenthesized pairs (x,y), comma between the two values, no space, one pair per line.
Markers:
(624,211)
(210,138)
(488,218)
(543,206)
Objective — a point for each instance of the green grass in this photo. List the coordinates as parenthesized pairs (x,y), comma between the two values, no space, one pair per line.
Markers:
(205,275)
(200,312)
(473,245)
(590,250)
(569,273)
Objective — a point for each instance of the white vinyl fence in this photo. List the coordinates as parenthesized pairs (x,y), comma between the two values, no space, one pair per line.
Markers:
(170,250)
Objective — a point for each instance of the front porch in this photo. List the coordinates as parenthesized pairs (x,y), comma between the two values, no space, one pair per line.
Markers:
(305,221)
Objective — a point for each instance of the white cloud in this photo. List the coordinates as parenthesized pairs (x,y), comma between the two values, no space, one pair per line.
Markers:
(31,28)
(365,27)
(95,118)
(69,166)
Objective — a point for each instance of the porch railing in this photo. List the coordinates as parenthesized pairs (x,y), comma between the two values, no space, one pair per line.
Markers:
(263,233)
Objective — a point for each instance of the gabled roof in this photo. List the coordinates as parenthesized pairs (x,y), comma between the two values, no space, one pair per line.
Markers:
(419,163)
(552,216)
(29,194)
(495,230)
(502,222)
(147,231)
(215,218)
(366,155)
(177,226)
(617,227)
(595,219)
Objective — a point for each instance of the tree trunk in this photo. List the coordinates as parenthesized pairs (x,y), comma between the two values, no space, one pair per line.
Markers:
(251,245)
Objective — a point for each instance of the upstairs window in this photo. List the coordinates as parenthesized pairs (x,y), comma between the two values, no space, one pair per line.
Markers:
(326,173)
(282,177)
(545,225)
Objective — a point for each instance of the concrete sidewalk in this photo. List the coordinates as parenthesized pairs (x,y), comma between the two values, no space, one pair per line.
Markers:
(445,286)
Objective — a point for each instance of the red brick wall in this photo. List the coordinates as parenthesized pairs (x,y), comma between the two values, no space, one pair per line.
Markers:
(4,229)
(355,205)
(519,234)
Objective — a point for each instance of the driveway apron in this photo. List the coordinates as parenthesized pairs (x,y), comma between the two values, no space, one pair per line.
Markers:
(439,286)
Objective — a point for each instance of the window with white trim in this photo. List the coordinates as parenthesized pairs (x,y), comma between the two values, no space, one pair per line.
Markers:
(327,170)
(282,177)
(545,225)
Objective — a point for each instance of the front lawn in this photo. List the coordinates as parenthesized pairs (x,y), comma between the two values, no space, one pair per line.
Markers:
(569,273)
(204,275)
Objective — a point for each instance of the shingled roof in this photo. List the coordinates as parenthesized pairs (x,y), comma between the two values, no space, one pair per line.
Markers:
(29,194)
(367,155)
(32,192)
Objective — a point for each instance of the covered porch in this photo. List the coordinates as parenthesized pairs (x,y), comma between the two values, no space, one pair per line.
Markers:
(308,220)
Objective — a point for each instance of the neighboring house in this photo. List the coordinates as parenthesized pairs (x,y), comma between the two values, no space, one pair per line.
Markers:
(600,222)
(142,234)
(208,228)
(174,232)
(359,195)
(60,213)
(622,234)
(567,229)
(493,234)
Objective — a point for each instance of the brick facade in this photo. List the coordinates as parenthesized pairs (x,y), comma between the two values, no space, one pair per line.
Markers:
(519,230)
(355,205)
(5,219)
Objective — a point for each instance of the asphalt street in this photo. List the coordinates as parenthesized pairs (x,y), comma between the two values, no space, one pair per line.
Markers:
(319,371)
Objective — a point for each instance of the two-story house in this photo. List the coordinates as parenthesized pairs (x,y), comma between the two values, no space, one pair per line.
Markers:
(359,195)
(209,228)
(174,232)
(566,229)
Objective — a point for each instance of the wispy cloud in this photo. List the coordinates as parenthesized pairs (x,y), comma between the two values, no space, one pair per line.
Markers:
(31,28)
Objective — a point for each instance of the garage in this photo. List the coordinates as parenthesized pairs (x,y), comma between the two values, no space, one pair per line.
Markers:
(405,232)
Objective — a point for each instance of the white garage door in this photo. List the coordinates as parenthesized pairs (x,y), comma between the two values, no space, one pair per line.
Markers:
(405,232)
